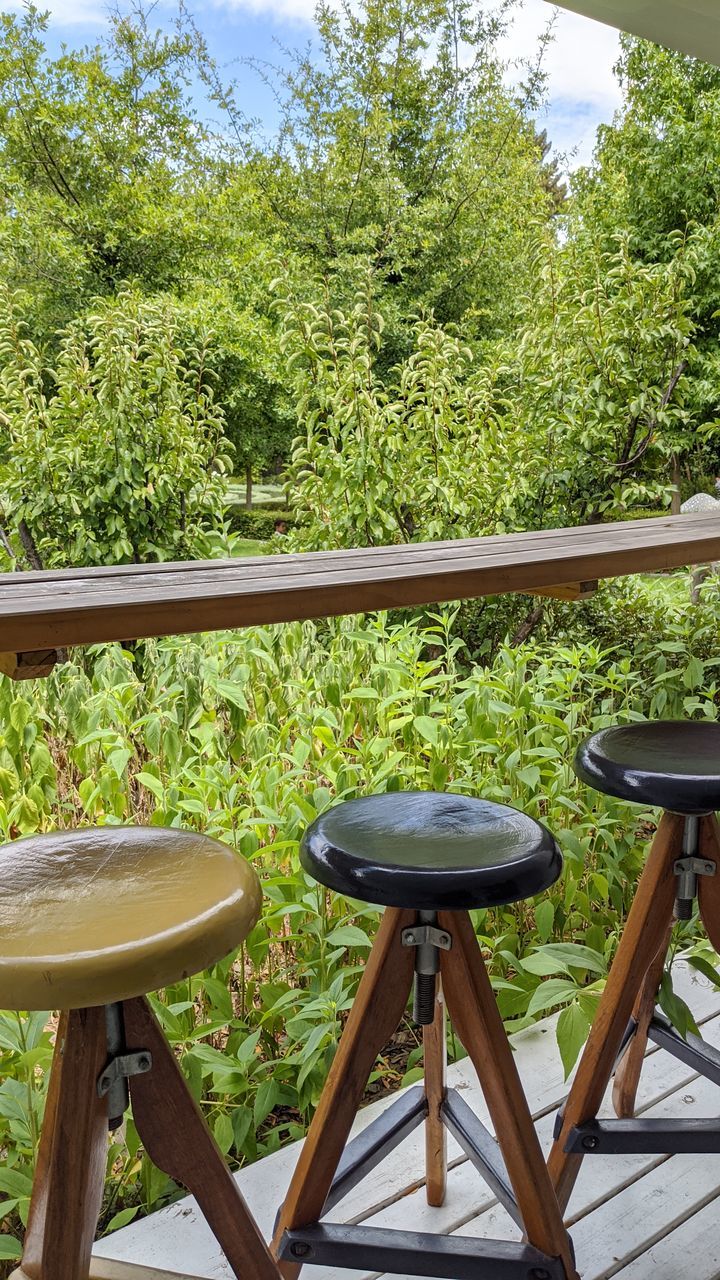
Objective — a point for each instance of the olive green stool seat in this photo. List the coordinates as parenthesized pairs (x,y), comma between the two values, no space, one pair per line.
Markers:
(90,921)
(95,916)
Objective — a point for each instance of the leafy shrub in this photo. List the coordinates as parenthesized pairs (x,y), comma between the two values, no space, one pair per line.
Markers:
(115,455)
(249,736)
(260,522)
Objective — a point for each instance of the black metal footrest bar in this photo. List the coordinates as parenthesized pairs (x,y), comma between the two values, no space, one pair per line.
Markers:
(417,1253)
(645,1137)
(376,1142)
(480,1148)
(693,1051)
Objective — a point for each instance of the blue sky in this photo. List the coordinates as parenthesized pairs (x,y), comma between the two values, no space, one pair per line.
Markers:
(582,89)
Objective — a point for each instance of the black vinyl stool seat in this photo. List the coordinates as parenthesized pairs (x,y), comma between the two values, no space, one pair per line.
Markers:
(431,851)
(671,764)
(429,858)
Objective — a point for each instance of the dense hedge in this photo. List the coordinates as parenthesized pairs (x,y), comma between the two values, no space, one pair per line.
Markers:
(260,522)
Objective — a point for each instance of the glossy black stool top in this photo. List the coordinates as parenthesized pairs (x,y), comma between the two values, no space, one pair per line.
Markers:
(672,764)
(430,851)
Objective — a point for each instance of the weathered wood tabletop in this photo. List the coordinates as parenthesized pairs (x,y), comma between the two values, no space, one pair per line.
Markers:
(49,610)
(42,611)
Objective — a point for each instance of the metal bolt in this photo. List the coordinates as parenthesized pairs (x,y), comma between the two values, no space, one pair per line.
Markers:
(444,938)
(709,867)
(144,1062)
(302,1250)
(539,1273)
(590,1144)
(410,939)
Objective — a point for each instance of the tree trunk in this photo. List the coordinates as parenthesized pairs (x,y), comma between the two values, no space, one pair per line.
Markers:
(526,628)
(28,544)
(248,486)
(676,477)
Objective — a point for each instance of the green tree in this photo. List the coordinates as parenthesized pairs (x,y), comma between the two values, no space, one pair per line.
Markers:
(115,455)
(403,153)
(598,385)
(656,177)
(576,419)
(419,455)
(104,166)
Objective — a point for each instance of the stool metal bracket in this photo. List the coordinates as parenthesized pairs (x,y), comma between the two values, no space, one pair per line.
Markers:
(417,1253)
(481,1149)
(376,1142)
(122,1068)
(426,935)
(644,1137)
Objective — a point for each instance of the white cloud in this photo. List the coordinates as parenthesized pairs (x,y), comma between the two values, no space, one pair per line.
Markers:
(581,87)
(579,62)
(68,13)
(296,11)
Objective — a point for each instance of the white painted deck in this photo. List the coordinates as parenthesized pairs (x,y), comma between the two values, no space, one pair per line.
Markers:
(634,1217)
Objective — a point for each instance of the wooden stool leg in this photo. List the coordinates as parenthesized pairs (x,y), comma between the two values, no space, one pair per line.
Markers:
(629,1070)
(70,1172)
(646,926)
(474,1013)
(709,886)
(377,1009)
(177,1139)
(435,1064)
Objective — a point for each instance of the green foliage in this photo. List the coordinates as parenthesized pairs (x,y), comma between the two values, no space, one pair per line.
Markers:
(102,163)
(260,522)
(598,383)
(420,456)
(655,177)
(117,454)
(590,397)
(248,736)
(401,152)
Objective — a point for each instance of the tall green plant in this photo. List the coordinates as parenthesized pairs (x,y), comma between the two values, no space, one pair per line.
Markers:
(418,456)
(117,453)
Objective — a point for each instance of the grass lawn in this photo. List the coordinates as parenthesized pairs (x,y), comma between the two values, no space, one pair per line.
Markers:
(248,547)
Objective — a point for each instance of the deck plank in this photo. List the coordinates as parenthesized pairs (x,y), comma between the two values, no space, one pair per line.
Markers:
(697,1238)
(176,1243)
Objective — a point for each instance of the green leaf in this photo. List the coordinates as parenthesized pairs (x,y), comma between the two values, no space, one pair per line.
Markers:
(349,935)
(118,760)
(704,967)
(550,994)
(572,1031)
(10,1249)
(545,918)
(223,1132)
(122,1218)
(265,1099)
(427,728)
(530,775)
(562,957)
(152,783)
(676,1009)
(15,1183)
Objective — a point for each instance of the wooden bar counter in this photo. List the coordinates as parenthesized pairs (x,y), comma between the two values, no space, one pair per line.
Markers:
(48,610)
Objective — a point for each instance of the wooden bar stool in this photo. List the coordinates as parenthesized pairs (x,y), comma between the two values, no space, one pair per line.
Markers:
(676,766)
(428,858)
(89,922)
